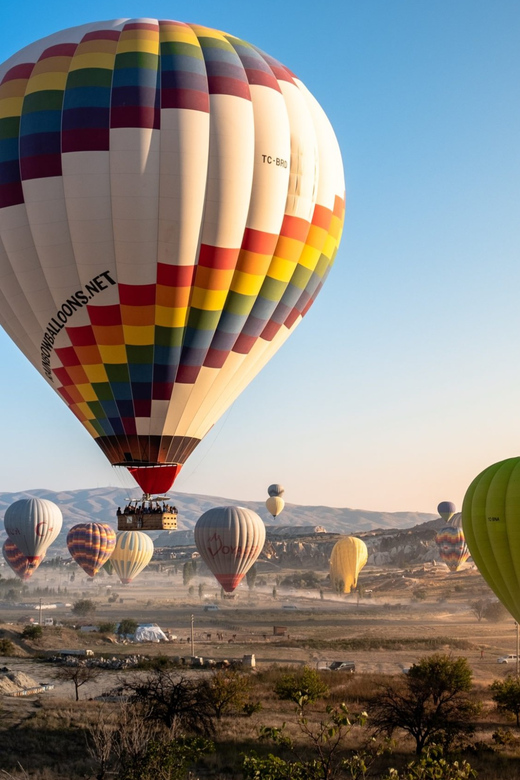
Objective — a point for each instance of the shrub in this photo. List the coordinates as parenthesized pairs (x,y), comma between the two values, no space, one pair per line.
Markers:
(83,608)
(33,632)
(107,628)
(6,647)
(304,687)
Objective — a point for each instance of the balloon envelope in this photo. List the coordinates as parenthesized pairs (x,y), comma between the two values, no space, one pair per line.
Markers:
(132,553)
(446,510)
(19,563)
(452,546)
(275,505)
(276,490)
(491,522)
(32,524)
(171,203)
(91,545)
(348,557)
(229,540)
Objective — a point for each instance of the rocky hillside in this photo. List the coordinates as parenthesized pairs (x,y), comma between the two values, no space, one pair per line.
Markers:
(100,504)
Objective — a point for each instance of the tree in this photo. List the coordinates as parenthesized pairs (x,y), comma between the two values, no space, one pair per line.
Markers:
(479,608)
(107,628)
(165,759)
(33,632)
(175,701)
(80,674)
(506,695)
(187,573)
(226,692)
(430,703)
(251,577)
(302,688)
(495,612)
(202,588)
(127,627)
(83,608)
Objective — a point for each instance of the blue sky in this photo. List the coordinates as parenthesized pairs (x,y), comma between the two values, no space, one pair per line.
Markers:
(403,381)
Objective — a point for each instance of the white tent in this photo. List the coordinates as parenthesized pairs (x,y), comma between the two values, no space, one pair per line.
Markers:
(150,632)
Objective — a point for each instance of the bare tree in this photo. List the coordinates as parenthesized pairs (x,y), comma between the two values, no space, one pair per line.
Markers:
(479,608)
(101,739)
(79,674)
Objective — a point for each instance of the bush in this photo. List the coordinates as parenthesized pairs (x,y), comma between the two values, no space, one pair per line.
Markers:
(107,628)
(33,632)
(495,612)
(127,627)
(84,607)
(6,647)
(304,687)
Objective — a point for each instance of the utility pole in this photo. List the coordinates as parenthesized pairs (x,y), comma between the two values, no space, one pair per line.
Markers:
(41,615)
(193,644)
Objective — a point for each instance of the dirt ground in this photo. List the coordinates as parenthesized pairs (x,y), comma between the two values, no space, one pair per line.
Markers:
(407,628)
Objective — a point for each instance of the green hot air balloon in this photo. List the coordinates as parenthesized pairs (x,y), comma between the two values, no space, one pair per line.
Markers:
(491,523)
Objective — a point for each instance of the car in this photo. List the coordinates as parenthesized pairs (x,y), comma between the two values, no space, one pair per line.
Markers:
(289,607)
(211,608)
(343,666)
(507,659)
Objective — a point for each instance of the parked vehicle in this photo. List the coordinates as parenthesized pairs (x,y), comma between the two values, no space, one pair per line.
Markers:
(507,659)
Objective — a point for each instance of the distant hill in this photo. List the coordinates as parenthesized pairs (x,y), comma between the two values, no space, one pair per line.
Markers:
(100,504)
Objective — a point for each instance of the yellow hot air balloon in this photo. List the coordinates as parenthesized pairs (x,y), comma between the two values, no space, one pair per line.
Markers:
(171,203)
(132,553)
(275,505)
(348,557)
(491,523)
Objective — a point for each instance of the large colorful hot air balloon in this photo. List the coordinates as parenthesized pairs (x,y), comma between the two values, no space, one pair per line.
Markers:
(452,546)
(132,553)
(91,545)
(32,524)
(275,505)
(229,540)
(348,557)
(276,490)
(491,522)
(446,510)
(171,202)
(19,562)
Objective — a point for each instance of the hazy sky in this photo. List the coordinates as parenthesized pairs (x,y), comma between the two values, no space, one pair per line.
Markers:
(403,381)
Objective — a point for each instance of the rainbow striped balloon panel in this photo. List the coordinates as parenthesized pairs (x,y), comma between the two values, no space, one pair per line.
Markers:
(171,202)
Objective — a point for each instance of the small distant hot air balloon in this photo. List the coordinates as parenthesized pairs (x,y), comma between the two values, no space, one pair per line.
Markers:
(456,520)
(91,545)
(452,546)
(275,505)
(276,490)
(348,557)
(229,540)
(446,510)
(491,522)
(132,553)
(32,524)
(19,562)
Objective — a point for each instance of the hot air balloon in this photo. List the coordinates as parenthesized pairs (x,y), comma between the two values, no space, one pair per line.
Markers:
(452,546)
(276,490)
(275,505)
(348,557)
(132,553)
(171,203)
(446,510)
(32,524)
(229,540)
(456,520)
(91,545)
(18,562)
(491,522)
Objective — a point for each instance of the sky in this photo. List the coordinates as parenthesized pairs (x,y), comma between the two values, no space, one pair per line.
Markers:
(403,381)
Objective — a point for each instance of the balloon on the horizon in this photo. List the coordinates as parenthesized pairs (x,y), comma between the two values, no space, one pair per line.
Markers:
(491,522)
(132,553)
(171,203)
(452,546)
(32,524)
(347,558)
(275,505)
(91,545)
(276,490)
(19,563)
(446,510)
(229,540)
(456,520)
